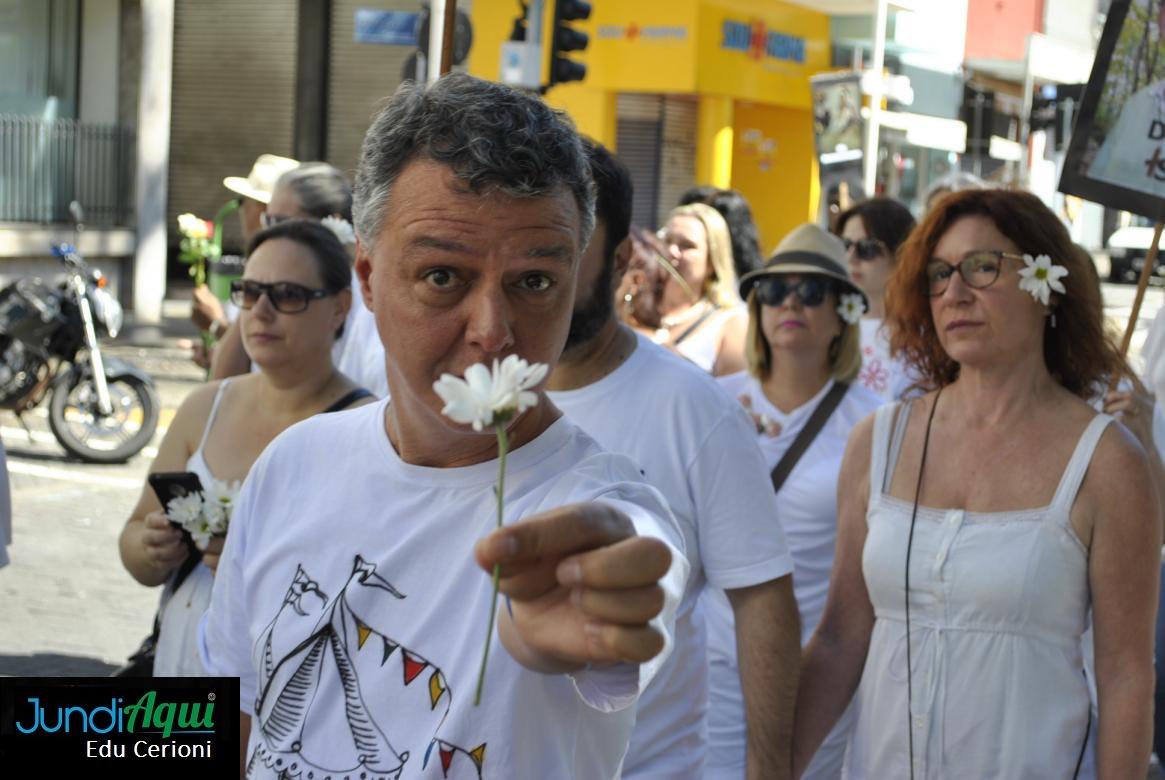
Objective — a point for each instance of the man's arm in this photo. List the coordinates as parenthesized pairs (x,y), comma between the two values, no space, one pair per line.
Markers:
(768,652)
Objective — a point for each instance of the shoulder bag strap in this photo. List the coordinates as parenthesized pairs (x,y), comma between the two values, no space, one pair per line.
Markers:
(692,328)
(812,427)
(347,400)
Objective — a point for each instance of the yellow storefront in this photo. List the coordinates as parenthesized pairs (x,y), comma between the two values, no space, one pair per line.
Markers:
(725,84)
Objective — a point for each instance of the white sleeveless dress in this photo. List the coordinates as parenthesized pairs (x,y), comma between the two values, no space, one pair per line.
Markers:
(176,654)
(998,604)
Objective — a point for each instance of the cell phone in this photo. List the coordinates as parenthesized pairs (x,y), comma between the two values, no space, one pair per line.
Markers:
(173,484)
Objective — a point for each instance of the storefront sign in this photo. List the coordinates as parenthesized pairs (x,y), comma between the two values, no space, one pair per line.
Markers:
(759,42)
(634,32)
(393,28)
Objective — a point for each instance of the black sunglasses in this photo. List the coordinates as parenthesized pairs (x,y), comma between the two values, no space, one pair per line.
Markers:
(285,297)
(979,270)
(866,249)
(811,291)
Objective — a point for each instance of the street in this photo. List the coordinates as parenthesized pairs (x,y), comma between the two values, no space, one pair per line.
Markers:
(70,607)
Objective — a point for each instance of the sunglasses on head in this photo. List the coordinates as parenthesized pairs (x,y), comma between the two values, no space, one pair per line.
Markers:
(811,291)
(267,219)
(285,297)
(866,249)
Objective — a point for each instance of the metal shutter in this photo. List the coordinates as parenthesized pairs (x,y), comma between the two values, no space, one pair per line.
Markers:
(363,76)
(233,98)
(678,152)
(638,142)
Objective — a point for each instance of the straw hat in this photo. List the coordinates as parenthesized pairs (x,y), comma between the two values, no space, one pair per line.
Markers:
(260,182)
(806,250)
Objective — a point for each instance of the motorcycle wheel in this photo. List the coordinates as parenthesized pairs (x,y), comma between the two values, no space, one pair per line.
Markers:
(115,438)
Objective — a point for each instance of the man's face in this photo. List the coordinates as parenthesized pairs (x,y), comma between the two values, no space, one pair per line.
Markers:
(594,299)
(457,278)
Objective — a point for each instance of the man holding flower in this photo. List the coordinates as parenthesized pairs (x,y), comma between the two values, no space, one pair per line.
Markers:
(348,599)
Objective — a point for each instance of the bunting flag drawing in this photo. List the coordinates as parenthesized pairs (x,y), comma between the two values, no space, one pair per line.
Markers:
(448,754)
(326,658)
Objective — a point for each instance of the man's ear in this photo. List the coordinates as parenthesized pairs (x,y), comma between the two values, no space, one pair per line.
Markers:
(622,257)
(363,268)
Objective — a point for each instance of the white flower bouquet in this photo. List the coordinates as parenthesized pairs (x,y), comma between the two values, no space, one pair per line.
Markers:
(204,513)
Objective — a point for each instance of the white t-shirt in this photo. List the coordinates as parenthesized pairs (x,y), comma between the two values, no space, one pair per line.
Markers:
(359,352)
(807,510)
(349,604)
(882,374)
(696,446)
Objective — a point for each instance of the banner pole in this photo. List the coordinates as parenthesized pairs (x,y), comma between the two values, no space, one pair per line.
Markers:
(1142,285)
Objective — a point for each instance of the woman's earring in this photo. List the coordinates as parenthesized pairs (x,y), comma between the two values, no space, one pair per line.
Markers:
(1053,318)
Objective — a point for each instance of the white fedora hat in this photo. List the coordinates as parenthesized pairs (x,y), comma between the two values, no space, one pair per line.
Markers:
(808,249)
(260,182)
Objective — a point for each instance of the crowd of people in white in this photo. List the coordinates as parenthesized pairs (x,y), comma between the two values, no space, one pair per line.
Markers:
(846,511)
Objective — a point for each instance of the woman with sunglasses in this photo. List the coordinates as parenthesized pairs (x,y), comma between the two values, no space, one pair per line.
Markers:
(294,296)
(872,231)
(318,191)
(803,354)
(979,525)
(699,314)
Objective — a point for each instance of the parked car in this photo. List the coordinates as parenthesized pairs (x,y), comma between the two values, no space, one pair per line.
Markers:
(1127,249)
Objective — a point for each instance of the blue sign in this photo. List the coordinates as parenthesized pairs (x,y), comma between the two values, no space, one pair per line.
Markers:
(759,42)
(391,28)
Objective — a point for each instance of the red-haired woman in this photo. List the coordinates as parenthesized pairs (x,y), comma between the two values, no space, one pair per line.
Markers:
(981,522)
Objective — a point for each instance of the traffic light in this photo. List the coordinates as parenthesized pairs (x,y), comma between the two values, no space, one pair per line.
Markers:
(565,38)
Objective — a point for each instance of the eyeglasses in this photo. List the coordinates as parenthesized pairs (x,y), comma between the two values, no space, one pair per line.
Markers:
(811,291)
(979,270)
(285,297)
(267,219)
(866,249)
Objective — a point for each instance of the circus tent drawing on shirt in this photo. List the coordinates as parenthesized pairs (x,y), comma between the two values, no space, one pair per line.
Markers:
(349,662)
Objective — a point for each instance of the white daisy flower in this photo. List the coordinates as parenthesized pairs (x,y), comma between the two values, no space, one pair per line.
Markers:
(185,510)
(485,398)
(1040,277)
(342,228)
(851,307)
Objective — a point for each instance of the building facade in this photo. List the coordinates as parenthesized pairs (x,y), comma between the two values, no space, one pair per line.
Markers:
(694,92)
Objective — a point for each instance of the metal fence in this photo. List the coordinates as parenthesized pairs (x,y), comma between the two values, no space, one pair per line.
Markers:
(46,164)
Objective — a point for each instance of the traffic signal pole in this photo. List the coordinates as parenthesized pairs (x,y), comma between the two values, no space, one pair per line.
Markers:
(442,24)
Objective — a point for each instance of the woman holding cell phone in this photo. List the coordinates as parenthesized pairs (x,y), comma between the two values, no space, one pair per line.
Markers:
(294,296)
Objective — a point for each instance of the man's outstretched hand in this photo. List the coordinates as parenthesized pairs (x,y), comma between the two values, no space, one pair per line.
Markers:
(582,588)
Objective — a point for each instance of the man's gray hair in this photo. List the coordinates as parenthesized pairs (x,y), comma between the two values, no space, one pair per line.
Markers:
(493,137)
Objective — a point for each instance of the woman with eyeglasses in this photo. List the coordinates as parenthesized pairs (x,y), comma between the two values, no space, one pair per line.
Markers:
(320,192)
(698,311)
(803,354)
(294,296)
(872,231)
(980,524)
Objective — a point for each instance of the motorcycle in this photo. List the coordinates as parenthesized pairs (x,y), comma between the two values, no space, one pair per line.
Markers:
(101,410)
